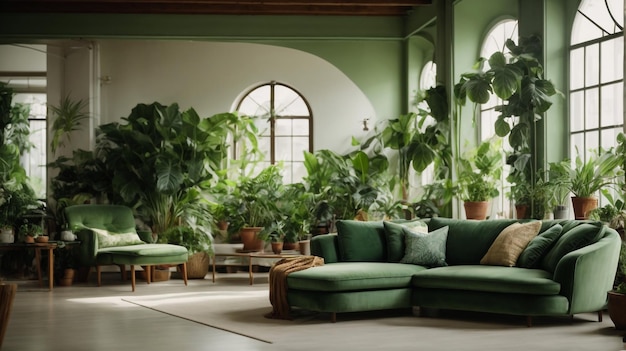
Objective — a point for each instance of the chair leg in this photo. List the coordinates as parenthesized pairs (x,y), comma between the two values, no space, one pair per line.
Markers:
(600,316)
(183,270)
(333,317)
(132,276)
(149,274)
(123,271)
(99,274)
(529,321)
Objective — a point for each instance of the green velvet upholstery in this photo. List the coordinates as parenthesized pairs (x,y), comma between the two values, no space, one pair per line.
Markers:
(498,279)
(326,246)
(345,276)
(583,255)
(87,220)
(469,240)
(352,233)
(538,246)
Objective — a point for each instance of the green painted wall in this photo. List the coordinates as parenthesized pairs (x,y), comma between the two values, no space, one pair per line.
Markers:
(373,65)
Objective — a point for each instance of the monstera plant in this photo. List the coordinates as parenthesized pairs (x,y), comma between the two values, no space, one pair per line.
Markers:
(161,158)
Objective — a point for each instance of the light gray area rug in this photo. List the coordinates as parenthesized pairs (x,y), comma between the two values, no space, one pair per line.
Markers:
(241,310)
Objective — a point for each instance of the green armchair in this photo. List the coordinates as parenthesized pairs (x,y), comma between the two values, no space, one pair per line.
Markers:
(108,237)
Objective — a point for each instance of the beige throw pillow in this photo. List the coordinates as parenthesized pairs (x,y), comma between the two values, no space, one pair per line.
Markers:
(510,243)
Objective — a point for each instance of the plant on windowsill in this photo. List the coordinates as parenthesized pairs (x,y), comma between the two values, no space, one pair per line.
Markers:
(558,186)
(589,177)
(479,177)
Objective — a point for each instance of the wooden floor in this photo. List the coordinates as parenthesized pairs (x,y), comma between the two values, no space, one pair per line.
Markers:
(73,318)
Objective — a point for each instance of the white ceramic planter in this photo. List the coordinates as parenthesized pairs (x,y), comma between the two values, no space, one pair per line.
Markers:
(6,236)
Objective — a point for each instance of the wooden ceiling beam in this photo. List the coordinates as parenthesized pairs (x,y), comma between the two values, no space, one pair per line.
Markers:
(218,7)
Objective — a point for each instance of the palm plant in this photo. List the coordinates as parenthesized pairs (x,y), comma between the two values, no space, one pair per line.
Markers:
(598,171)
(68,116)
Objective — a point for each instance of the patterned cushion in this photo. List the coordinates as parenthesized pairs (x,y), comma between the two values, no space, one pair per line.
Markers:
(394,234)
(426,249)
(109,239)
(510,243)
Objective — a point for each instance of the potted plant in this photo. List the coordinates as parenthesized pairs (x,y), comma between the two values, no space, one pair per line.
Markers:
(68,116)
(256,201)
(590,176)
(29,231)
(198,244)
(297,208)
(65,264)
(479,177)
(558,187)
(617,297)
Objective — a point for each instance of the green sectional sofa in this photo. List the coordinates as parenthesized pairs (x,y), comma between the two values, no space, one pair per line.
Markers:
(567,268)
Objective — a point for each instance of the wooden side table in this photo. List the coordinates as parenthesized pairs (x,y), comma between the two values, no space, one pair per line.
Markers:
(50,246)
(250,256)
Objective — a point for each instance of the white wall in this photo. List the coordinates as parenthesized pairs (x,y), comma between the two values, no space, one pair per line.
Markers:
(210,76)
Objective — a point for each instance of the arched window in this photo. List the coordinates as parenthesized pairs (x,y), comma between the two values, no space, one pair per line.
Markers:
(285,125)
(596,93)
(495,41)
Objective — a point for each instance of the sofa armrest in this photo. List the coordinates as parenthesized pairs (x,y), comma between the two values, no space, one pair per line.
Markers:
(325,246)
(587,274)
(88,249)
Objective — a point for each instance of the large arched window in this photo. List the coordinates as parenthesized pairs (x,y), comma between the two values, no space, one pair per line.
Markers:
(495,41)
(285,123)
(596,87)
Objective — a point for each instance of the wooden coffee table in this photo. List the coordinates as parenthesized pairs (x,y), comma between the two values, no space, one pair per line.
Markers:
(251,256)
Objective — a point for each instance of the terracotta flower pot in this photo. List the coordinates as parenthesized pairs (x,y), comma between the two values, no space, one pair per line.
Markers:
(476,209)
(277,247)
(617,309)
(583,206)
(250,240)
(521,211)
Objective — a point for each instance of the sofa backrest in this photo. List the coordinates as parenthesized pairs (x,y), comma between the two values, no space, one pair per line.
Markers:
(574,235)
(468,240)
(113,218)
(361,241)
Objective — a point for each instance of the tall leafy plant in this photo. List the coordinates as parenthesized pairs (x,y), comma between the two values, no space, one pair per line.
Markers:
(16,195)
(161,159)
(517,78)
(418,138)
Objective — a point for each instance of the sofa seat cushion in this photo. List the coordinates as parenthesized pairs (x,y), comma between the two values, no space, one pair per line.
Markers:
(351,276)
(151,250)
(489,279)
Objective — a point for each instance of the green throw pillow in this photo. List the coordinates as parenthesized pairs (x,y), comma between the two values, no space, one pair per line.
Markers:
(361,241)
(577,237)
(395,237)
(426,249)
(537,248)
(108,239)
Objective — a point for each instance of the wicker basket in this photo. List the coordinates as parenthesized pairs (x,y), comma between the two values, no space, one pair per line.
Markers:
(198,265)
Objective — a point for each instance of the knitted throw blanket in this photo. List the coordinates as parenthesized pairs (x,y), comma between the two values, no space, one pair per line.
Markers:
(278,282)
